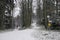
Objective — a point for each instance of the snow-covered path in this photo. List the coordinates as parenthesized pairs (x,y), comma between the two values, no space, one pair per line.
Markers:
(17,35)
(34,33)
(30,34)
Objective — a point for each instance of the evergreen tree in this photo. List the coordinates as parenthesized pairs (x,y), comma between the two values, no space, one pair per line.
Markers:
(5,5)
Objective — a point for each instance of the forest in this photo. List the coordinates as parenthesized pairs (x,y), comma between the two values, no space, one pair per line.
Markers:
(22,13)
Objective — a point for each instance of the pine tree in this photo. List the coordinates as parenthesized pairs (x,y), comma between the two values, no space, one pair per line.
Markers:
(5,5)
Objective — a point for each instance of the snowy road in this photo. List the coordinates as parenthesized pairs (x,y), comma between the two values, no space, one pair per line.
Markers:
(30,34)
(17,35)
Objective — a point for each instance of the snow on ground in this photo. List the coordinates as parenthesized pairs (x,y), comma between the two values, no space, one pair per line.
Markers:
(35,33)
(17,35)
(46,35)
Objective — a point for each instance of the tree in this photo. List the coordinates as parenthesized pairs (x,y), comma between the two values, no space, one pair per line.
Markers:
(48,9)
(39,12)
(26,12)
(5,5)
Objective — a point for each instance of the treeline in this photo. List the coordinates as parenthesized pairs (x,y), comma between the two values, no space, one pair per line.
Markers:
(43,8)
